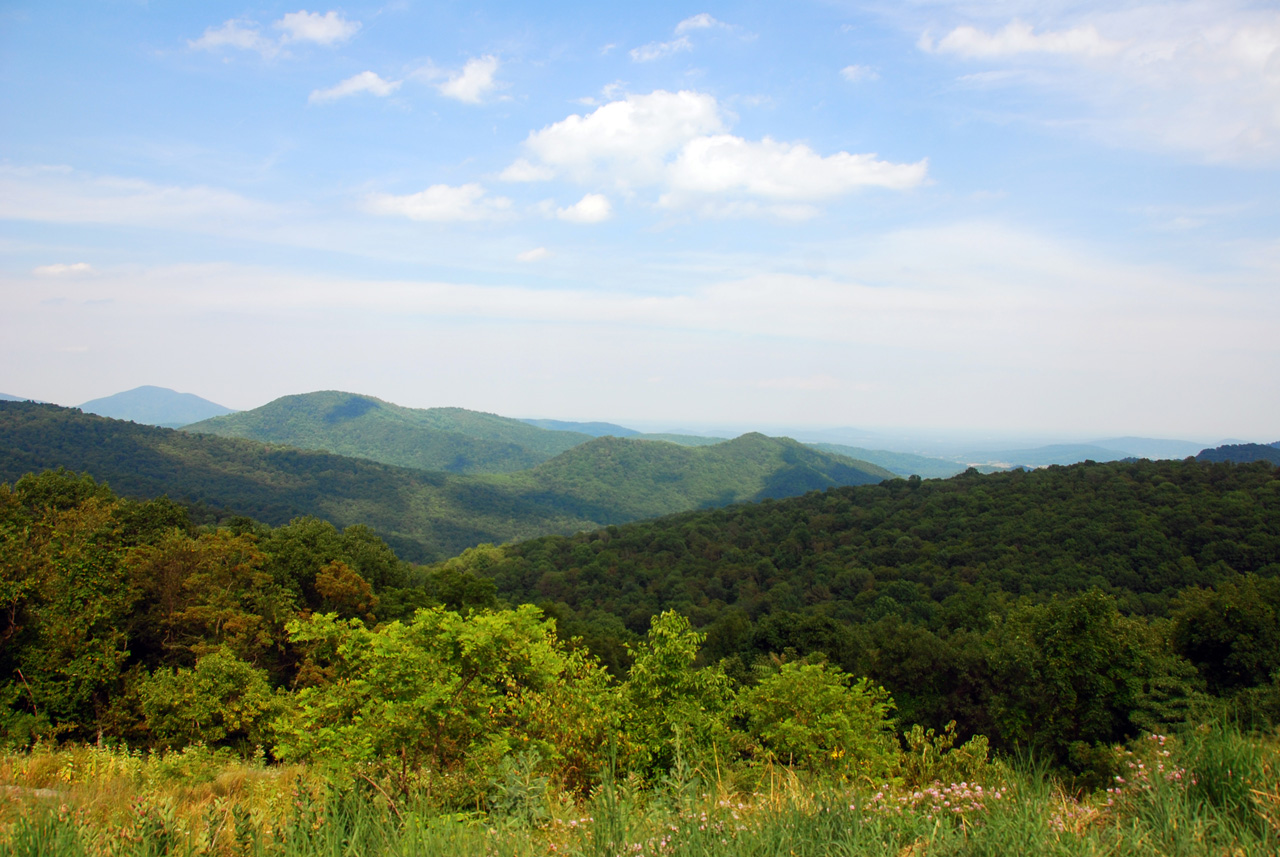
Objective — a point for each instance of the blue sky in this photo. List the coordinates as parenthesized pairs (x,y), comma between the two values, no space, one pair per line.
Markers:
(1051,218)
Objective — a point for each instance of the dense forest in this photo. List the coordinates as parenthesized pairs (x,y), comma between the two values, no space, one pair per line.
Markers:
(1145,583)
(900,642)
(1060,609)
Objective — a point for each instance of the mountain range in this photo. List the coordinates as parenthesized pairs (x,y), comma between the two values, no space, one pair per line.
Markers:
(453,440)
(424,515)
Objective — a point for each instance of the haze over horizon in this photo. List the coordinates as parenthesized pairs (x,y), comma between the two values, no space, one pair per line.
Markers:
(1047,219)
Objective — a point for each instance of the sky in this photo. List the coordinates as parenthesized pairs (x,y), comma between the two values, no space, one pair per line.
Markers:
(1050,218)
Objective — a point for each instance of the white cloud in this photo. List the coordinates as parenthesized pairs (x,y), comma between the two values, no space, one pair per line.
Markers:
(627,140)
(948,318)
(473,81)
(774,170)
(327,29)
(365,81)
(63,269)
(678,143)
(1186,77)
(701,21)
(858,73)
(235,34)
(592,208)
(441,203)
(533,255)
(1018,37)
(658,50)
(302,26)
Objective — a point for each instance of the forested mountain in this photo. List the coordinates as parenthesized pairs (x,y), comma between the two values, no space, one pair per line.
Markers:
(445,439)
(157,406)
(1242,453)
(901,581)
(423,515)
(624,478)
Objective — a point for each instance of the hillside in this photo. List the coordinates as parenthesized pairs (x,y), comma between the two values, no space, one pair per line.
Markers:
(898,581)
(626,478)
(1242,453)
(423,515)
(156,406)
(440,439)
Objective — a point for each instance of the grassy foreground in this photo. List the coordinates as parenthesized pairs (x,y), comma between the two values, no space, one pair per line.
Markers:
(1214,793)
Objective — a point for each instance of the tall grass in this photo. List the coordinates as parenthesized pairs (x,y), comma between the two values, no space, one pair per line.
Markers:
(1215,792)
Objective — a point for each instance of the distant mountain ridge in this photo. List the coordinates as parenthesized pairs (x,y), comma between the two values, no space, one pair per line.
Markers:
(157,406)
(595,429)
(1242,453)
(900,463)
(453,440)
(423,515)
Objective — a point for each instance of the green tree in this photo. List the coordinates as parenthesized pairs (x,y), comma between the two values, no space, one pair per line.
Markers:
(669,702)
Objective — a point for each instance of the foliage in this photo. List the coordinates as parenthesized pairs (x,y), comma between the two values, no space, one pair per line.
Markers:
(814,716)
(670,707)
(222,700)
(443,692)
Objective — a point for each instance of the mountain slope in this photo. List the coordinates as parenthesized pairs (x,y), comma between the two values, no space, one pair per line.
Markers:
(1242,453)
(423,515)
(448,439)
(631,478)
(156,406)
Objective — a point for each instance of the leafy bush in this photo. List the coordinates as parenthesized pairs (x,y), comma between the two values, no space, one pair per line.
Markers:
(814,716)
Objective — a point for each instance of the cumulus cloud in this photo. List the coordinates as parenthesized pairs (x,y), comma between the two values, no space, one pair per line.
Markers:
(629,139)
(472,82)
(365,81)
(658,50)
(679,143)
(441,203)
(327,29)
(533,255)
(592,208)
(63,269)
(1179,76)
(858,73)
